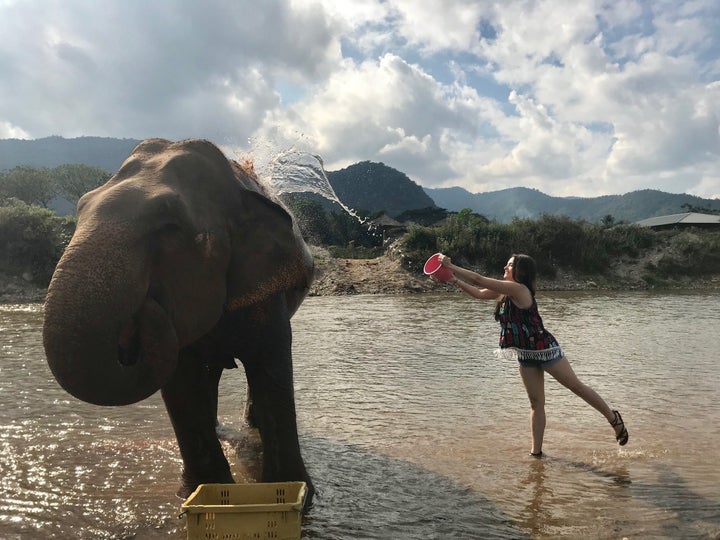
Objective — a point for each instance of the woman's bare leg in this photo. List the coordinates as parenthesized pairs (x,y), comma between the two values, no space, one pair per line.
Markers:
(534,381)
(563,372)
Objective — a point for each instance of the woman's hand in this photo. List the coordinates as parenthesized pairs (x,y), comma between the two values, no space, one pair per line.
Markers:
(444,260)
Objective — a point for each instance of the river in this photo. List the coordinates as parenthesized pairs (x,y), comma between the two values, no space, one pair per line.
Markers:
(409,427)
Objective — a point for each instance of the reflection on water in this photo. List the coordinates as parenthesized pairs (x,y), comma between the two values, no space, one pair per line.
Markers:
(409,426)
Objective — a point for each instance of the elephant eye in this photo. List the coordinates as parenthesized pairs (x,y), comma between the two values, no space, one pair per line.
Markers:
(166,238)
(170,228)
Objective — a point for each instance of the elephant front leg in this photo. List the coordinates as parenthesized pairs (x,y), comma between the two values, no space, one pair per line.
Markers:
(266,353)
(191,401)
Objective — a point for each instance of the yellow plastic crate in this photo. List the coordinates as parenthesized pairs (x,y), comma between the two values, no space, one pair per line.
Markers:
(245,511)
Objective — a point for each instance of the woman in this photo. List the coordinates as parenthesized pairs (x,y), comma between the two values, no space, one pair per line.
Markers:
(523,337)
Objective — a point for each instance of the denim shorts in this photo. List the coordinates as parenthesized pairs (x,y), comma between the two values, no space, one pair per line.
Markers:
(539,363)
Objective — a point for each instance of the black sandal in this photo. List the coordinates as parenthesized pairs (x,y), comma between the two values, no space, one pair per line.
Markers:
(537,454)
(623,436)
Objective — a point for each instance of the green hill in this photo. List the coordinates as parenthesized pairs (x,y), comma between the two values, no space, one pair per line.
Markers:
(376,187)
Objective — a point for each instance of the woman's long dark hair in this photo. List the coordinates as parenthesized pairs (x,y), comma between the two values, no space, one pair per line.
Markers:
(524,271)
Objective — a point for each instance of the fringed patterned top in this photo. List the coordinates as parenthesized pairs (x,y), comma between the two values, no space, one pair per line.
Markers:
(523,336)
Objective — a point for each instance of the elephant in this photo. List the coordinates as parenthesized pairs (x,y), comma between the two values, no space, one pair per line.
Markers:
(181,263)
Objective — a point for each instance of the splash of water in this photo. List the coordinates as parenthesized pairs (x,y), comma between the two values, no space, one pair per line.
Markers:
(295,171)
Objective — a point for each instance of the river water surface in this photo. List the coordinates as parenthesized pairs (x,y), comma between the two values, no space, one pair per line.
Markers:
(409,426)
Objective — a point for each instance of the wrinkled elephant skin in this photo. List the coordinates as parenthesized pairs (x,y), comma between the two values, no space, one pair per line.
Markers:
(179,264)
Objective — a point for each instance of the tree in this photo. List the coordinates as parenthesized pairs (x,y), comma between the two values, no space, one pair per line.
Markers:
(608,221)
(73,181)
(699,209)
(424,216)
(311,218)
(32,240)
(29,185)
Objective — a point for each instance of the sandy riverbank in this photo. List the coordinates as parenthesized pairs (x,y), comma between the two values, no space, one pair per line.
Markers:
(16,290)
(386,275)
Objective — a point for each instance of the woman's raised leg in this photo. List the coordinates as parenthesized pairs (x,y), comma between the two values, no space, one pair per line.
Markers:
(563,372)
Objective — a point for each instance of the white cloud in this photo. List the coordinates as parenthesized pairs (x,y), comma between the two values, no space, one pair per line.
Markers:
(8,131)
(570,98)
(708,186)
(531,35)
(436,25)
(388,110)
(352,14)
(173,69)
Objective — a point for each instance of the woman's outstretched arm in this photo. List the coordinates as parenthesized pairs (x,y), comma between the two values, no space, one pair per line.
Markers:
(494,287)
(475,292)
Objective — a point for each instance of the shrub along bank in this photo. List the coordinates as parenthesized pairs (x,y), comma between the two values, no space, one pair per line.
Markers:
(32,238)
(557,243)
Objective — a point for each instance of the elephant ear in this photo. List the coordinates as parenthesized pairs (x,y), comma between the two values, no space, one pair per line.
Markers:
(268,254)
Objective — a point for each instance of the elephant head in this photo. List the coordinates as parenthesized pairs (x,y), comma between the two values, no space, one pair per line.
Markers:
(176,238)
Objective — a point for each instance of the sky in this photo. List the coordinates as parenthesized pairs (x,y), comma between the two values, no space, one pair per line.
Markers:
(570,97)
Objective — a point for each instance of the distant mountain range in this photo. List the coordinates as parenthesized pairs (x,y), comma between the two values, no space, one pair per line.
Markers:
(104,152)
(376,187)
(506,204)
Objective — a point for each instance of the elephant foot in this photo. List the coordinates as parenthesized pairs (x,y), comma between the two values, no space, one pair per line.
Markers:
(250,414)
(183,492)
(309,497)
(191,482)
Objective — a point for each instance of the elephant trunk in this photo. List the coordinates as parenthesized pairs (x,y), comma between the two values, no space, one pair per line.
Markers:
(107,341)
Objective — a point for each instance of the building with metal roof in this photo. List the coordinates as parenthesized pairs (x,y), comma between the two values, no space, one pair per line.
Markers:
(688,219)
